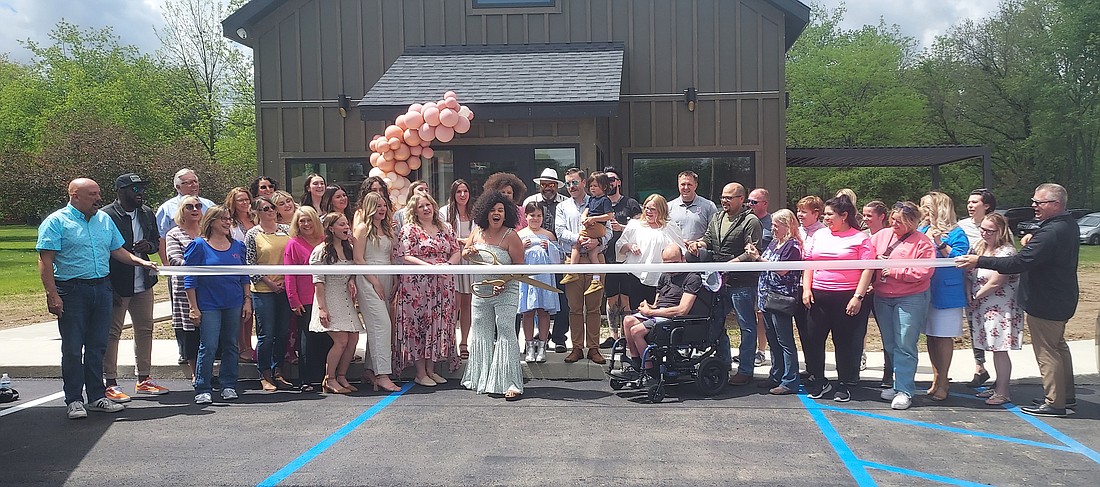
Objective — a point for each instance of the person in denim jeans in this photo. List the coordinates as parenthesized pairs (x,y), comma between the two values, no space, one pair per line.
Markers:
(217,303)
(264,245)
(75,245)
(727,236)
(785,246)
(901,298)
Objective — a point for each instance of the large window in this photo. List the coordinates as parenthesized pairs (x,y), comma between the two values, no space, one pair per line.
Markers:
(657,173)
(513,3)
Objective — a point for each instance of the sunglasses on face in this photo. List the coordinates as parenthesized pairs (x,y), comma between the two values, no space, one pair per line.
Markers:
(573,183)
(192,207)
(137,189)
(268,208)
(613,178)
(751,202)
(264,186)
(908,210)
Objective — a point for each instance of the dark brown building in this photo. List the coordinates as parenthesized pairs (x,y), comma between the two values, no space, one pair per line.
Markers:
(652,87)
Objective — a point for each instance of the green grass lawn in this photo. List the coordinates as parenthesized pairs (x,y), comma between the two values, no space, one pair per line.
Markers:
(18,260)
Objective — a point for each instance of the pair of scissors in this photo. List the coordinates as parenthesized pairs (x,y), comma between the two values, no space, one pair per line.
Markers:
(479,288)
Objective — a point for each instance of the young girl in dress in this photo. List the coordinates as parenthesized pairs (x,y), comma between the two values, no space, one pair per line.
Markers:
(540,248)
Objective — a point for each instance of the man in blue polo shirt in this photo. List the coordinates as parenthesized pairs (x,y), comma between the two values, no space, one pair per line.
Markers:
(75,245)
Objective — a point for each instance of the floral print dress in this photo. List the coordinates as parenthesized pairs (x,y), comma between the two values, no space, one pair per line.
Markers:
(998,319)
(425,312)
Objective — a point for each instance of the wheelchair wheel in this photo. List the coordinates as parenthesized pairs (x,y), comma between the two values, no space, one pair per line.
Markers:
(712,376)
(656,394)
(617,384)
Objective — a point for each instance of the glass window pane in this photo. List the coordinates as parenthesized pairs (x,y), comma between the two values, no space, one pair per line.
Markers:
(558,159)
(512,3)
(657,174)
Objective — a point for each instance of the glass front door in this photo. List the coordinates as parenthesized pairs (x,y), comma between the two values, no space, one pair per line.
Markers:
(475,164)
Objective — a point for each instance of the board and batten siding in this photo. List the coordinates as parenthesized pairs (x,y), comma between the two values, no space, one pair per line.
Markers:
(731,51)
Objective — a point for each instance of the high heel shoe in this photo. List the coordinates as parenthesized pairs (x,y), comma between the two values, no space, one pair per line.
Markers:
(384,382)
(326,385)
(343,381)
(438,379)
(425,381)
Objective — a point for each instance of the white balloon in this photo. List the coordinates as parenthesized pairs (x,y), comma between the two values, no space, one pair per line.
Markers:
(376,172)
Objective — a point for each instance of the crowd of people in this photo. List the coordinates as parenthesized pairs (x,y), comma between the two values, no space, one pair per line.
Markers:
(409,320)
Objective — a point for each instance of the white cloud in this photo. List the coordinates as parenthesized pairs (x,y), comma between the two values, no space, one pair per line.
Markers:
(922,20)
(133,21)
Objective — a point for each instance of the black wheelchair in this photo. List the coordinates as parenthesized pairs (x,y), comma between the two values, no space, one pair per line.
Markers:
(682,349)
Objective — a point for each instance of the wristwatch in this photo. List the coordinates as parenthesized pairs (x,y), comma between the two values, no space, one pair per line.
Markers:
(859,296)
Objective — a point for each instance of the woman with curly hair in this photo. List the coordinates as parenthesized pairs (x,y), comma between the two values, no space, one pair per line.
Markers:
(513,188)
(494,365)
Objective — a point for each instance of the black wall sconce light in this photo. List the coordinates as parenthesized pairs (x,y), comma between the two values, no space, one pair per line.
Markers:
(690,97)
(345,104)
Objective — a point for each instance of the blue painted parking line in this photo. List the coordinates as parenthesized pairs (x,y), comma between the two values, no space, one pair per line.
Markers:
(921,475)
(326,443)
(847,456)
(1072,444)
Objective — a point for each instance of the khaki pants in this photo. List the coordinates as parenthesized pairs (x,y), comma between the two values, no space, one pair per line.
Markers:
(584,313)
(1055,363)
(140,307)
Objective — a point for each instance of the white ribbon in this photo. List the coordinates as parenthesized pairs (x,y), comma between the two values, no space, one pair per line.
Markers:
(220,270)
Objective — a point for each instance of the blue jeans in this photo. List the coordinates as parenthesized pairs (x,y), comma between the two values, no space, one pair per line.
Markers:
(224,325)
(744,306)
(272,312)
(84,325)
(899,321)
(780,331)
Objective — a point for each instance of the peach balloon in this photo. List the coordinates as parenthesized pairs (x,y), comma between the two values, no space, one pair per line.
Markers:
(462,126)
(469,114)
(429,104)
(452,103)
(416,107)
(372,146)
(401,168)
(431,116)
(464,111)
(386,156)
(426,144)
(402,153)
(412,137)
(426,132)
(393,131)
(395,143)
(392,176)
(400,122)
(428,153)
(376,172)
(444,133)
(415,150)
(414,119)
(374,156)
(414,163)
(448,118)
(396,186)
(386,165)
(450,94)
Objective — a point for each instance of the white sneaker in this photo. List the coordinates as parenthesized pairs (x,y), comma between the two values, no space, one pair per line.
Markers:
(77,411)
(105,405)
(540,351)
(530,351)
(888,394)
(203,398)
(901,401)
(229,394)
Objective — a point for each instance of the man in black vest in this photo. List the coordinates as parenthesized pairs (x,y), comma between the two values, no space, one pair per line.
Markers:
(132,286)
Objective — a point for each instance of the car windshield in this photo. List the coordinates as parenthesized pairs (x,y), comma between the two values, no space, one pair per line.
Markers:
(1089,221)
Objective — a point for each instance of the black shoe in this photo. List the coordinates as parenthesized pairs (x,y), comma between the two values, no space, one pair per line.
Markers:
(803,374)
(819,391)
(842,394)
(182,360)
(978,379)
(886,385)
(607,343)
(1044,410)
(766,384)
(736,359)
(1039,401)
(559,348)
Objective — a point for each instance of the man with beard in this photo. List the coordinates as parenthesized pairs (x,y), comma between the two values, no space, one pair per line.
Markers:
(132,287)
(617,284)
(75,246)
(584,309)
(549,196)
(727,236)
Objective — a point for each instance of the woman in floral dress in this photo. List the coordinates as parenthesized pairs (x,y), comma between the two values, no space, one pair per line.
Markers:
(997,316)
(425,311)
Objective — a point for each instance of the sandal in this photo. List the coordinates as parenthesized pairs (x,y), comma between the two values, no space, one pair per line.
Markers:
(306,388)
(997,400)
(512,395)
(985,394)
(463,352)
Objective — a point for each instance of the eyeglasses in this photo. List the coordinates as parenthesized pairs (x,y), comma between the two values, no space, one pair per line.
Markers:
(226,219)
(724,197)
(1035,202)
(612,178)
(265,186)
(188,182)
(137,189)
(268,208)
(573,183)
(192,206)
(987,230)
(904,208)
(548,185)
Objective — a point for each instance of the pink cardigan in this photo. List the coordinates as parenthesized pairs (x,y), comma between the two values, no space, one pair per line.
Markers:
(299,289)
(903,281)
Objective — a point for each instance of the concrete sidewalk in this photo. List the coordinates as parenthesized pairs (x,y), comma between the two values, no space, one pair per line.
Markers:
(34,351)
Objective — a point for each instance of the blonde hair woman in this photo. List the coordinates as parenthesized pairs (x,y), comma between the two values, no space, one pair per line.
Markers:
(945,315)
(994,310)
(284,206)
(374,246)
(642,242)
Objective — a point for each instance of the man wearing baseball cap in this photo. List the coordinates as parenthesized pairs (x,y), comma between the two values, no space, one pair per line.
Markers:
(132,286)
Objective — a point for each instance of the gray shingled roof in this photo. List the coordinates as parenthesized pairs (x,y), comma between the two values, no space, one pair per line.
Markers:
(581,73)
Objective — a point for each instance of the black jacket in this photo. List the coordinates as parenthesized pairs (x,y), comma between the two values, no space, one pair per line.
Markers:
(122,275)
(731,245)
(1048,289)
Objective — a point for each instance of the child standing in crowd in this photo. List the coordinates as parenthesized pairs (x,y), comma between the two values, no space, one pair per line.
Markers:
(540,248)
(597,212)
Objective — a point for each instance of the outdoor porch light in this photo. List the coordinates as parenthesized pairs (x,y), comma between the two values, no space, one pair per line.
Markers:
(243,34)
(690,97)
(345,104)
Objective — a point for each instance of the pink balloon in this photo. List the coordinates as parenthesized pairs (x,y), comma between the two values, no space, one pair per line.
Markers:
(386,164)
(426,144)
(393,131)
(431,115)
(387,158)
(469,114)
(444,133)
(401,168)
(412,137)
(414,163)
(450,94)
(414,119)
(395,142)
(464,111)
(426,132)
(428,153)
(452,103)
(374,156)
(372,145)
(448,118)
(415,149)
(462,126)
(416,107)
(402,153)
(400,122)
(430,104)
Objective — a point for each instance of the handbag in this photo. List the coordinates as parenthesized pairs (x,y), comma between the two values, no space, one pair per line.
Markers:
(778,303)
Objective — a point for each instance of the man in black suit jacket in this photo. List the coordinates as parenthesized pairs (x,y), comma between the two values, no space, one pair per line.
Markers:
(133,286)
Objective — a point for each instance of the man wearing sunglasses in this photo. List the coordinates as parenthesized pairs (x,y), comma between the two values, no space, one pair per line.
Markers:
(1048,293)
(132,286)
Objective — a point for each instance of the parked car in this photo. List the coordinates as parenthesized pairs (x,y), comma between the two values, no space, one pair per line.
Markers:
(1028,226)
(1017,215)
(1090,228)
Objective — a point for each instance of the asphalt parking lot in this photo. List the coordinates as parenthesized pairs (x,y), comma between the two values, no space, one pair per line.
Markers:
(561,433)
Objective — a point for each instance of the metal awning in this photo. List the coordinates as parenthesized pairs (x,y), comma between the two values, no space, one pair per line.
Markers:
(575,80)
(926,156)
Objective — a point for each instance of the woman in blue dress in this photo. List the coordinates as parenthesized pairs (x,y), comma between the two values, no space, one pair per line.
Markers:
(540,248)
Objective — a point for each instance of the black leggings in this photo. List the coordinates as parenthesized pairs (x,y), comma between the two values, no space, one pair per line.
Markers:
(313,350)
(828,314)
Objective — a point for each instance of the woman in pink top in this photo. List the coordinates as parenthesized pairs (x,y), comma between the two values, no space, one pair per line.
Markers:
(305,234)
(835,299)
(901,298)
